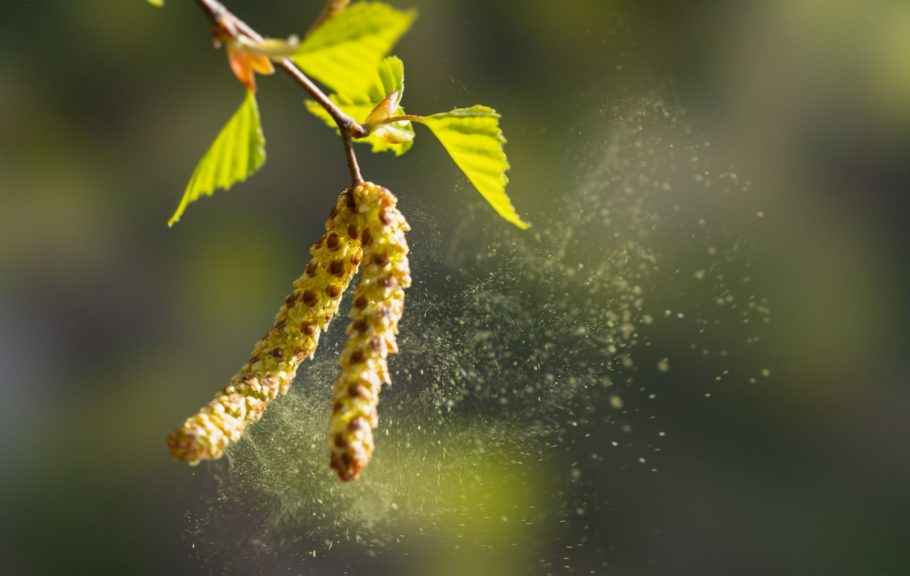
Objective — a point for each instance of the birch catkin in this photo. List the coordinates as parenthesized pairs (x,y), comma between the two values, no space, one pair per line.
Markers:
(377,307)
(292,339)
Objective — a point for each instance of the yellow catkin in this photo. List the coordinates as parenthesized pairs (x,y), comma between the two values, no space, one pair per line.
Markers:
(292,339)
(377,307)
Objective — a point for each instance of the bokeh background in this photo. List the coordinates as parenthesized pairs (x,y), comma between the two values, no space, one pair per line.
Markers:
(692,364)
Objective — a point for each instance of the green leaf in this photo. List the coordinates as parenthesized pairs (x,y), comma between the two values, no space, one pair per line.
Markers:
(473,139)
(235,155)
(387,80)
(158,3)
(344,52)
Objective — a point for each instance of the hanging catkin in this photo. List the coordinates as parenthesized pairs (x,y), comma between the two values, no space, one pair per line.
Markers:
(377,307)
(292,339)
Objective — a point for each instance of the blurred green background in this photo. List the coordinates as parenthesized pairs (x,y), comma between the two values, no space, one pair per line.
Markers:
(781,130)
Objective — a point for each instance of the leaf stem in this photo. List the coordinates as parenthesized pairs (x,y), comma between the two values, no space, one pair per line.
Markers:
(332,8)
(348,127)
(402,118)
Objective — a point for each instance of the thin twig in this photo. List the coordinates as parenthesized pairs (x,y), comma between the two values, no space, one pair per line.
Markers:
(353,166)
(349,127)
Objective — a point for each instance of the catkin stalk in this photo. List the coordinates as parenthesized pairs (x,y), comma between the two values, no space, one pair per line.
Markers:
(377,307)
(292,339)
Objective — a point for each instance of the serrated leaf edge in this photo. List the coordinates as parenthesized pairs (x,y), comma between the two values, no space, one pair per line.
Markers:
(219,169)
